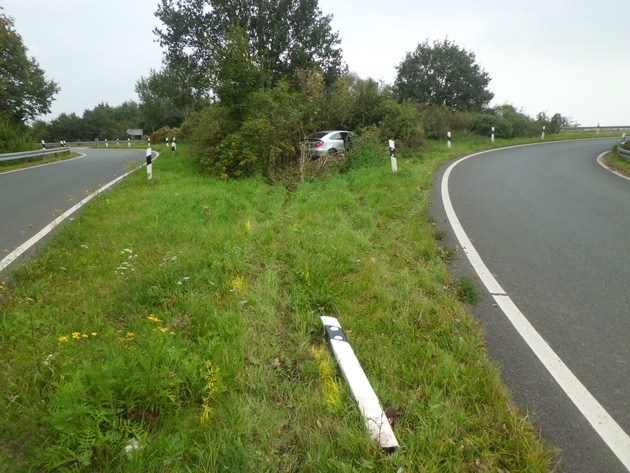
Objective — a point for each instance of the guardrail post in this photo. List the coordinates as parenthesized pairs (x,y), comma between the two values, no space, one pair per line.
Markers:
(392,152)
(149,165)
(374,417)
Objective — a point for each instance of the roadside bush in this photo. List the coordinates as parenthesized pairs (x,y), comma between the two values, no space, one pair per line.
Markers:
(402,123)
(208,128)
(159,136)
(368,148)
(13,138)
(482,125)
(438,121)
(241,153)
(266,136)
(520,122)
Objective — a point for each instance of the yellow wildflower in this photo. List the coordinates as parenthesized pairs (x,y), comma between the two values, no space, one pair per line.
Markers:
(63,339)
(94,334)
(76,335)
(248,226)
(154,319)
(85,335)
(238,284)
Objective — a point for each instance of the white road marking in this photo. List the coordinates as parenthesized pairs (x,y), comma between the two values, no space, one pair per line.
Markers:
(607,428)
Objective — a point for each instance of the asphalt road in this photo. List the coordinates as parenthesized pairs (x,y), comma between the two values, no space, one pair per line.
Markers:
(31,198)
(553,227)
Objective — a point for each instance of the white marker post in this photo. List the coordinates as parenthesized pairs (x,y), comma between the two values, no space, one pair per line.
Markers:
(542,137)
(598,128)
(128,142)
(623,138)
(448,139)
(43,144)
(392,153)
(492,136)
(117,142)
(106,143)
(173,146)
(149,165)
(373,415)
(167,141)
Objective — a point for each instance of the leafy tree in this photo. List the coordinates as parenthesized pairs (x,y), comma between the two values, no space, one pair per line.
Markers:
(443,74)
(24,91)
(40,130)
(67,127)
(161,102)
(283,36)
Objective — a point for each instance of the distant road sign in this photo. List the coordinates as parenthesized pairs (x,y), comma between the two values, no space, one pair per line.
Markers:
(134,131)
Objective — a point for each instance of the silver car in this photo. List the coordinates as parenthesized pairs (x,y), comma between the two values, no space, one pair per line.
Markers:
(328,142)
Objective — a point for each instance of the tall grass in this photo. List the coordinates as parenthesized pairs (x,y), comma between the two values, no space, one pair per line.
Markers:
(174,326)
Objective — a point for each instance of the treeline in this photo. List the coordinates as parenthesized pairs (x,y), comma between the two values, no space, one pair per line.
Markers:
(102,122)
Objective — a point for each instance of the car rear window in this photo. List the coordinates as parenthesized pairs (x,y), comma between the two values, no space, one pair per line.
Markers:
(317,136)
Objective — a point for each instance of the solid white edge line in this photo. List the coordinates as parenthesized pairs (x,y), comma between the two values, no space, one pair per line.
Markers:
(374,417)
(607,428)
(18,251)
(602,164)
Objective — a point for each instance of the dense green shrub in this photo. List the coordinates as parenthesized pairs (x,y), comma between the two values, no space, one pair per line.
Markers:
(402,123)
(13,137)
(482,125)
(159,136)
(438,121)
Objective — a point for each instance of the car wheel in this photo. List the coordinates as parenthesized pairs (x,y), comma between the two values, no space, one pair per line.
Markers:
(332,151)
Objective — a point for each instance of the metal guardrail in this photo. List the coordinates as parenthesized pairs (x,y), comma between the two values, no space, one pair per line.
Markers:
(32,154)
(623,153)
(596,128)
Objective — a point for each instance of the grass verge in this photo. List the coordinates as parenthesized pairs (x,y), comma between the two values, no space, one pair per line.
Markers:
(619,164)
(174,326)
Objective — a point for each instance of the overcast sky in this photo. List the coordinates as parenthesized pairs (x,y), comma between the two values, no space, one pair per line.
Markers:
(570,57)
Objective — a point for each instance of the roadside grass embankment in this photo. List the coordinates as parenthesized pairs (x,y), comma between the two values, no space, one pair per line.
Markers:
(174,326)
(616,162)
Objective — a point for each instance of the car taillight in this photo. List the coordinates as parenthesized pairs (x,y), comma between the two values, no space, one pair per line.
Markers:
(318,143)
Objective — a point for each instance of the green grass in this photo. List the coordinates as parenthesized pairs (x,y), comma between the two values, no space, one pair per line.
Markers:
(183,314)
(615,161)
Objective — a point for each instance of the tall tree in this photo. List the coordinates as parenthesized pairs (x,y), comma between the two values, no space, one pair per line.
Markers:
(283,37)
(161,101)
(24,91)
(443,74)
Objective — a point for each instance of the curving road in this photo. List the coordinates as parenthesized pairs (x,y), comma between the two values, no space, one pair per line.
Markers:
(553,230)
(33,197)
